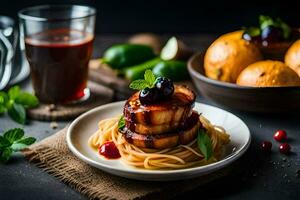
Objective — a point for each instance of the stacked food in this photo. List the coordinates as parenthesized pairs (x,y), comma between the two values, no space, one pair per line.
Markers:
(159,129)
(254,56)
(159,125)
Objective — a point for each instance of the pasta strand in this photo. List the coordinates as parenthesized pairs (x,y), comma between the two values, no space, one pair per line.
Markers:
(182,156)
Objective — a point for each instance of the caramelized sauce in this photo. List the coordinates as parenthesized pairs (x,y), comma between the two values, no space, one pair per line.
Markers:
(182,98)
(149,141)
(189,123)
(147,117)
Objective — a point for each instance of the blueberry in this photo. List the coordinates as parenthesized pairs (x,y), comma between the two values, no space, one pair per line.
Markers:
(271,34)
(149,96)
(165,86)
(163,89)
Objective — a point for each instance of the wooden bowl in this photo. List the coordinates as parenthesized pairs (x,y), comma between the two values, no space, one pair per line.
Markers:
(252,99)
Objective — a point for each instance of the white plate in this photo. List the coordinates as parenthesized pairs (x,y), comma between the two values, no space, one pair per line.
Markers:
(85,125)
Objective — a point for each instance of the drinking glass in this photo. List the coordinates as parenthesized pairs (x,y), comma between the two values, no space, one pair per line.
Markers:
(58,42)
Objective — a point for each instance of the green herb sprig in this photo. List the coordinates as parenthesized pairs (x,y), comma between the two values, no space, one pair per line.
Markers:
(266,21)
(15,101)
(11,141)
(147,82)
(204,144)
(121,123)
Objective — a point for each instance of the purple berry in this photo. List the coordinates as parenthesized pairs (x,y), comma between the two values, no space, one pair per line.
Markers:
(271,34)
(165,86)
(149,96)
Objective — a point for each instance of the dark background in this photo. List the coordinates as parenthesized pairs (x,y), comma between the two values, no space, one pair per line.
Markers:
(172,16)
(259,177)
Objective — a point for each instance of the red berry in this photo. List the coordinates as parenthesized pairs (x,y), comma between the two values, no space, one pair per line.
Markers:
(280,135)
(109,150)
(266,146)
(284,148)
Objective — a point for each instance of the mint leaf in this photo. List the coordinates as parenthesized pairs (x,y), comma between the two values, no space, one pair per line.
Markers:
(147,82)
(13,92)
(266,21)
(27,100)
(3,102)
(27,140)
(253,31)
(5,154)
(138,84)
(4,143)
(2,109)
(204,144)
(17,113)
(24,98)
(286,29)
(18,146)
(22,143)
(13,140)
(15,102)
(121,123)
(3,98)
(150,78)
(13,134)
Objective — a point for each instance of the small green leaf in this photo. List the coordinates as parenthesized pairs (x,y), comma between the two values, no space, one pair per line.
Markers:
(13,135)
(3,98)
(5,154)
(14,92)
(18,146)
(22,143)
(27,140)
(138,84)
(3,102)
(266,21)
(204,144)
(15,103)
(2,109)
(286,29)
(253,31)
(17,113)
(27,100)
(4,142)
(121,123)
(150,78)
(9,104)
(13,140)
(148,82)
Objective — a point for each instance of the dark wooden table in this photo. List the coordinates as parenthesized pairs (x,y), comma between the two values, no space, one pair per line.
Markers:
(256,176)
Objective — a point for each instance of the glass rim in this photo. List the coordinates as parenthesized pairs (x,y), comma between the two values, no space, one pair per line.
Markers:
(91,12)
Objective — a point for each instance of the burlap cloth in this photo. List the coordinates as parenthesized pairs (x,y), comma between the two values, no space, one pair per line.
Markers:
(53,155)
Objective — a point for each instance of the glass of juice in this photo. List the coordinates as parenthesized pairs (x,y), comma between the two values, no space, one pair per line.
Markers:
(58,42)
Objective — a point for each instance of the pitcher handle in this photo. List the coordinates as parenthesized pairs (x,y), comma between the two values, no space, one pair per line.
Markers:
(6,55)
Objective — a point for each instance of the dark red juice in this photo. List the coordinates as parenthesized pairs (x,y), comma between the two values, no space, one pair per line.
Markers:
(59,64)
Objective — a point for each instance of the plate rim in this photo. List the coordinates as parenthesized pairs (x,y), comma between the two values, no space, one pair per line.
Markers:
(208,168)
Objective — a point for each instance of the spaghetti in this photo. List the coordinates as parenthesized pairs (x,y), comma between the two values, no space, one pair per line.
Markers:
(181,156)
